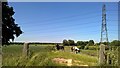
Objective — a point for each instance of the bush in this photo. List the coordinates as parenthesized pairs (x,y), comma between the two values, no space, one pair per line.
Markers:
(115,43)
(82,47)
(65,42)
(91,42)
(86,47)
(91,47)
(71,42)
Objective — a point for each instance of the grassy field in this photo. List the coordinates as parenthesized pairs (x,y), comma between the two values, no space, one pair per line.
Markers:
(41,55)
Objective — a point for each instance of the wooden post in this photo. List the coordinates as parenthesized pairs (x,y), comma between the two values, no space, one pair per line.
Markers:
(118,56)
(108,55)
(102,54)
(26,49)
(0,34)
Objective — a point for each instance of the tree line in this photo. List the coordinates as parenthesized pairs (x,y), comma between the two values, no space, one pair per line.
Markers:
(89,43)
(78,43)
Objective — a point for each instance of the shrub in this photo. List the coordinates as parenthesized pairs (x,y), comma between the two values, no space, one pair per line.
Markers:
(65,42)
(71,42)
(91,47)
(82,47)
(86,47)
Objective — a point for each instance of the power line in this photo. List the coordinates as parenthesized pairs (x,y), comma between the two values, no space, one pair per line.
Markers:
(61,30)
(57,31)
(63,18)
(73,25)
(111,10)
(36,24)
(63,22)
(58,24)
(71,16)
(70,33)
(112,20)
(68,16)
(73,34)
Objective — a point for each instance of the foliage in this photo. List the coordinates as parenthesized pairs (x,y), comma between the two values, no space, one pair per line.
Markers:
(82,47)
(65,42)
(86,42)
(82,44)
(91,42)
(93,47)
(115,43)
(87,47)
(71,42)
(9,28)
(68,43)
(79,43)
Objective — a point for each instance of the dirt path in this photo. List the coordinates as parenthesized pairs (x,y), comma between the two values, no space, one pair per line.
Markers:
(68,62)
(63,61)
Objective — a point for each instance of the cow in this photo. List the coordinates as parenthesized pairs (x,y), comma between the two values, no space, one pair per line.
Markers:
(59,47)
(74,48)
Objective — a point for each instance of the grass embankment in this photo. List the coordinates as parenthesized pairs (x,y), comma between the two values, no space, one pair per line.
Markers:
(43,55)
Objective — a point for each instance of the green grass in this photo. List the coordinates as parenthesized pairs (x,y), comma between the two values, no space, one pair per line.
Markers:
(42,56)
(90,52)
(85,59)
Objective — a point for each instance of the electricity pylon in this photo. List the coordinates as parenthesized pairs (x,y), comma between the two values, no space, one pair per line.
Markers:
(103,59)
(104,34)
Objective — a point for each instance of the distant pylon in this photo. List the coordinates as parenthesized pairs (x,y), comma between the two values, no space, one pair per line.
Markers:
(104,34)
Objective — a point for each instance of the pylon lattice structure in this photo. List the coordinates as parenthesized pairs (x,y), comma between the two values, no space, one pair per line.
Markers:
(104,34)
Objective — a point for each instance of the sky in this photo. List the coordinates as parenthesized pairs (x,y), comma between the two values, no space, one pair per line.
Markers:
(56,21)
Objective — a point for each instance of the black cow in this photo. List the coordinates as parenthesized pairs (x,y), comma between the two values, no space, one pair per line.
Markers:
(59,47)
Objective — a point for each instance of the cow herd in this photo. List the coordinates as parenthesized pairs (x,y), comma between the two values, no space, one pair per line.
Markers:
(73,48)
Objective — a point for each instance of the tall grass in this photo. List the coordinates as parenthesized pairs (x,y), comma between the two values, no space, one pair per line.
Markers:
(42,56)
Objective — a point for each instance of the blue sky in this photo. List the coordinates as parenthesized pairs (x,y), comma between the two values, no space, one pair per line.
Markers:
(55,21)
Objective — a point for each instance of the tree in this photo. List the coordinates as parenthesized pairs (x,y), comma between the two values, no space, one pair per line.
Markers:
(86,42)
(115,43)
(80,43)
(9,28)
(71,42)
(65,42)
(105,43)
(91,42)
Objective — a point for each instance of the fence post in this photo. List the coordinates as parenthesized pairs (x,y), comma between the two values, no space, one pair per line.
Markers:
(118,56)
(102,54)
(26,49)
